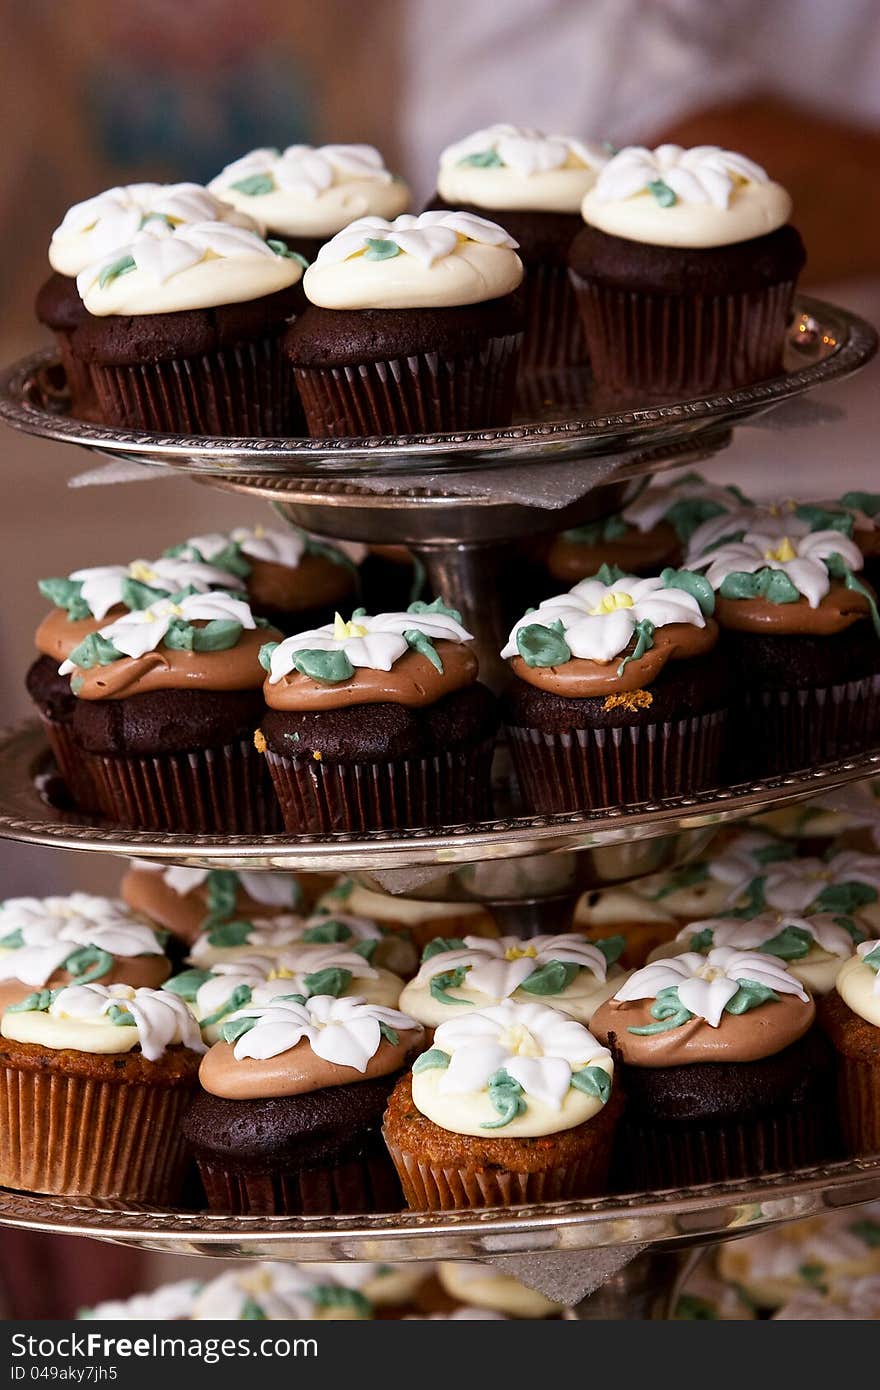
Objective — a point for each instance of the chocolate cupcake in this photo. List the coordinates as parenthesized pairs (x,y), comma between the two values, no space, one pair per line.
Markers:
(413,327)
(418,919)
(378,723)
(619,695)
(292,1099)
(723,1071)
(685,272)
(851,1018)
(532,185)
(97,1078)
(565,972)
(183,332)
(512,1104)
(292,579)
(306,194)
(186,901)
(94,229)
(167,699)
(226,942)
(49,942)
(648,534)
(800,630)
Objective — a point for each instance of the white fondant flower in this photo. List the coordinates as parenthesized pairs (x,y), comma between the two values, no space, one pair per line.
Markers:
(367,642)
(800,558)
(161,1019)
(305,169)
(792,885)
(599,620)
(280,1291)
(345,1032)
(704,174)
(161,257)
(41,920)
(168,1303)
(743,858)
(866,949)
(653,503)
(428,237)
(142,631)
(523,150)
(271,890)
(498,967)
(707,983)
(538,1046)
(752,935)
(102,585)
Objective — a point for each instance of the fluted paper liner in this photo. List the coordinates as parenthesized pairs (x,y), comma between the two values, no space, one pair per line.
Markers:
(553,335)
(858,1091)
(785,730)
(361,1179)
(69,761)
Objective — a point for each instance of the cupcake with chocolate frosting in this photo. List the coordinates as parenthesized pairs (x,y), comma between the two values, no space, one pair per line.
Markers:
(186,901)
(618,694)
(413,327)
(801,631)
(291,1104)
(306,194)
(685,271)
(850,1016)
(532,185)
(98,1077)
(378,723)
(723,1071)
(167,698)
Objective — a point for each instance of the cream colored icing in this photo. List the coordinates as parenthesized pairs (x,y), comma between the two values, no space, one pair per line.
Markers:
(481,1286)
(78,1018)
(541,173)
(769,1265)
(539,1047)
(445,259)
(618,907)
(202,266)
(720,197)
(275,936)
(859,985)
(387,907)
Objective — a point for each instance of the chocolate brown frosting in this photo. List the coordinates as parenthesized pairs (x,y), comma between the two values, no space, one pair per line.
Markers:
(580,679)
(315,582)
(761,1032)
(237,668)
(297,1071)
(138,971)
(838,610)
(413,681)
(57,635)
(570,560)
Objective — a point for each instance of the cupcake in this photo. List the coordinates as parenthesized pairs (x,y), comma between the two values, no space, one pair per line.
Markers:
(258,980)
(167,698)
(511,1104)
(183,332)
(418,919)
(566,972)
(813,948)
(723,1072)
(725,876)
(477,1285)
(649,533)
(292,579)
(618,694)
(168,1303)
(288,1118)
(391,1290)
(858,1301)
(800,631)
(820,1255)
(788,516)
(850,1016)
(684,272)
(413,327)
(278,1291)
(98,1077)
(532,185)
(49,942)
(306,194)
(94,229)
(845,883)
(378,723)
(185,901)
(225,942)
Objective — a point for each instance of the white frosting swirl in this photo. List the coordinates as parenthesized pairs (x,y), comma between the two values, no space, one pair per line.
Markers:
(373,643)
(305,191)
(858,983)
(540,1048)
(513,167)
(273,1290)
(143,630)
(346,1032)
(707,983)
(438,259)
(800,558)
(78,1018)
(796,885)
(653,504)
(202,266)
(97,227)
(817,969)
(103,585)
(671,196)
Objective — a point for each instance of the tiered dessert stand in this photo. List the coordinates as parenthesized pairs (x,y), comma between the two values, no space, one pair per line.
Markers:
(460,501)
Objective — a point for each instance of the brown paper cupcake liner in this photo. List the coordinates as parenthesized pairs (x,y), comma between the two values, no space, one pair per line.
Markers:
(784,730)
(576,769)
(553,334)
(453,787)
(430,1187)
(858,1094)
(75,1136)
(207,791)
(361,1180)
(69,761)
(241,390)
(671,345)
(79,382)
(412,395)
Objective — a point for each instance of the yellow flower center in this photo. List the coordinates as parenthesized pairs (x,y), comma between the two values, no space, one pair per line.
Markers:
(710,972)
(142,572)
(283,972)
(784,552)
(343,630)
(611,603)
(519,952)
(519,1042)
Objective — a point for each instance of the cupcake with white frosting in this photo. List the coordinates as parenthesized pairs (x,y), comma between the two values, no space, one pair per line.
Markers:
(225,941)
(413,327)
(183,331)
(822,1255)
(684,271)
(478,1285)
(533,185)
(850,1016)
(276,1291)
(94,1060)
(307,193)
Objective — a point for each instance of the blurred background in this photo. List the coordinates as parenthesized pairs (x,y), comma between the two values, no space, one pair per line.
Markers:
(94,94)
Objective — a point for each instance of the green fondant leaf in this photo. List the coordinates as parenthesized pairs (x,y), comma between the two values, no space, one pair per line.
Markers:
(663,193)
(755,900)
(687,877)
(542,646)
(338,1296)
(844,897)
(552,978)
(67,594)
(749,996)
(792,943)
(608,574)
(88,963)
(691,1308)
(419,607)
(773,585)
(702,940)
(440,945)
(612,948)
(814,1275)
(868,1231)
(483,159)
(644,631)
(611,528)
(94,650)
(593,1081)
(323,933)
(867,502)
(255,185)
(446,980)
(224,934)
(824,519)
(389,1034)
(13,940)
(669,1012)
(341,891)
(37,1002)
(506,1096)
(216,636)
(187,984)
(123,266)
(434,1057)
(687,513)
(330,981)
(367,949)
(222,885)
(873,958)
(252,1312)
(137,596)
(119,1015)
(282,249)
(266,654)
(774,854)
(240,996)
(236,1028)
(380,249)
(421,643)
(327,667)
(697,585)
(855,931)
